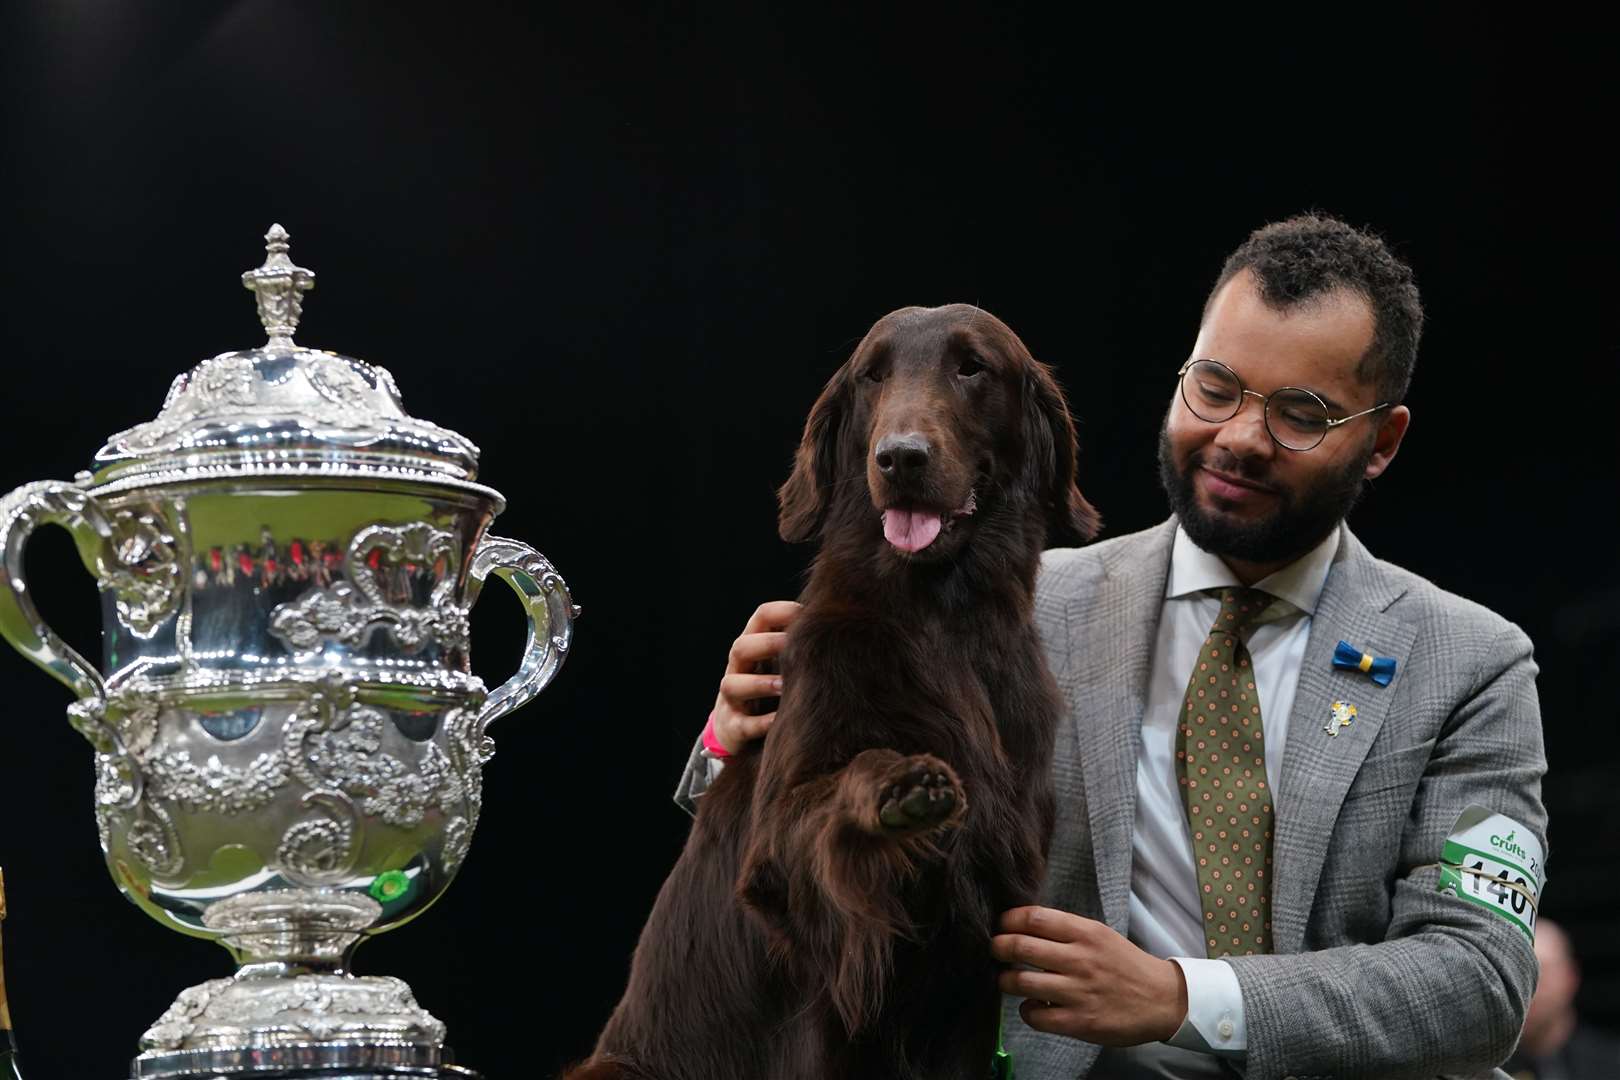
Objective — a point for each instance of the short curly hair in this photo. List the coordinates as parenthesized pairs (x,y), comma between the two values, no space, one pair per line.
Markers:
(1307,256)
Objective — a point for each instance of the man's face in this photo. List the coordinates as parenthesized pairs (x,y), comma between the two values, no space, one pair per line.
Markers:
(1236,492)
(1560,979)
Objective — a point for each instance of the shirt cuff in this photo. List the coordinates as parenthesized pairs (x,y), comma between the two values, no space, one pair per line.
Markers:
(1214,1023)
(702,780)
(701,772)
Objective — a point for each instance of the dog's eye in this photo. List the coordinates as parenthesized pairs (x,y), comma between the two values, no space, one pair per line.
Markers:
(971,365)
(875,374)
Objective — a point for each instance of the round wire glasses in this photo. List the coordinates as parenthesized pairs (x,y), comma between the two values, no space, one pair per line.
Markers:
(1295,418)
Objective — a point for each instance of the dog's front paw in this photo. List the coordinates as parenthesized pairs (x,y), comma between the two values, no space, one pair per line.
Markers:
(920,793)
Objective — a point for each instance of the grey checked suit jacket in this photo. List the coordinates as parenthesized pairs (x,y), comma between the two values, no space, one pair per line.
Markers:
(1374,974)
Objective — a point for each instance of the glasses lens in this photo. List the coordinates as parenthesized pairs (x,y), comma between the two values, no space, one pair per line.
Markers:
(1211,391)
(1297,418)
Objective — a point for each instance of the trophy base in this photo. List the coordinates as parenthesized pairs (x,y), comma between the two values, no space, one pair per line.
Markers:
(315,1061)
(341,1027)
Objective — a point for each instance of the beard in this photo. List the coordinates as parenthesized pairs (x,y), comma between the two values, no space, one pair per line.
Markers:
(1300,521)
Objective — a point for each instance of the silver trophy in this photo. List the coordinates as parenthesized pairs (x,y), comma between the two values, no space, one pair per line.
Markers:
(288,740)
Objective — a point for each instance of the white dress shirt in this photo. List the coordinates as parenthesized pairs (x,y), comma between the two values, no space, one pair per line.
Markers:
(1166,915)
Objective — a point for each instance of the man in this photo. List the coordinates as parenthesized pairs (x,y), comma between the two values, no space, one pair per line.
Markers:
(1196,927)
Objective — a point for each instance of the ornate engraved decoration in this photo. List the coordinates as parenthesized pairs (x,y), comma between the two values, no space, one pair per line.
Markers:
(145,571)
(385,787)
(320,849)
(119,782)
(214,787)
(232,385)
(279,286)
(455,683)
(339,383)
(134,556)
(136,723)
(121,787)
(153,840)
(457,842)
(88,718)
(333,747)
(224,380)
(470,749)
(335,750)
(275,1012)
(381,564)
(129,775)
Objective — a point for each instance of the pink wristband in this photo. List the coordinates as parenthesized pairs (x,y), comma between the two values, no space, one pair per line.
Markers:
(711,743)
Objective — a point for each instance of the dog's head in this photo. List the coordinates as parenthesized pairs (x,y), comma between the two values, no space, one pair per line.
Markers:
(950,423)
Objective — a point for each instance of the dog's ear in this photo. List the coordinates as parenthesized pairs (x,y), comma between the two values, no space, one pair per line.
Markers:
(803,499)
(1051,443)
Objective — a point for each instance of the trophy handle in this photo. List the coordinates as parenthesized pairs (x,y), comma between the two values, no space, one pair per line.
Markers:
(49,502)
(550,608)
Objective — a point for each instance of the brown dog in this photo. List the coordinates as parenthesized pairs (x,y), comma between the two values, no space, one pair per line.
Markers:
(832,911)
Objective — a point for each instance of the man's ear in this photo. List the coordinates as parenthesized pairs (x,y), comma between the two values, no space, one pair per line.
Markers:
(1388,441)
(1051,446)
(803,499)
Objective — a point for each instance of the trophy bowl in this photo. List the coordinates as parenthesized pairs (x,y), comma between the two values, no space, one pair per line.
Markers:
(288,740)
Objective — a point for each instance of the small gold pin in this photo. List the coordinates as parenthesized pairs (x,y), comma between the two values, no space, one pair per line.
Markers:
(1343,713)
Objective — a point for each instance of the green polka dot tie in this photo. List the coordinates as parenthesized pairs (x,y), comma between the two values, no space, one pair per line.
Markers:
(1221,766)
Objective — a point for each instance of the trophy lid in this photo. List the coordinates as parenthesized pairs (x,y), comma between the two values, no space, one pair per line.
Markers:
(283,409)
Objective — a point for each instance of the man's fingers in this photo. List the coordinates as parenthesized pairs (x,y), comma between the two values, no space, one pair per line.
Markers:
(1039,985)
(739,688)
(1044,922)
(1036,952)
(736,730)
(775,615)
(742,685)
(752,648)
(753,727)
(1043,1016)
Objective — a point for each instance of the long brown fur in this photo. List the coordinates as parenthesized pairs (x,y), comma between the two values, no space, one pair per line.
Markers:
(832,911)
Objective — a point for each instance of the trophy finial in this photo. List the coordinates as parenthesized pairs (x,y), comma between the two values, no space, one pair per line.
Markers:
(278,285)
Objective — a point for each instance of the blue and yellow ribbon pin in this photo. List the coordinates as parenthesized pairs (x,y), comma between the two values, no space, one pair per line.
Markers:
(1349,658)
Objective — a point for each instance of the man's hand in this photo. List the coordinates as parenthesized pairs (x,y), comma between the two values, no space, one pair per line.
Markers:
(1093,984)
(762,639)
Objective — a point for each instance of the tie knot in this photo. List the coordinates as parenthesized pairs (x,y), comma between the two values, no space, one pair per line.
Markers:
(1240,608)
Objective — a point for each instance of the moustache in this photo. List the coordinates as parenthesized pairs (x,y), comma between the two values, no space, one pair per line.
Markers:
(1216,460)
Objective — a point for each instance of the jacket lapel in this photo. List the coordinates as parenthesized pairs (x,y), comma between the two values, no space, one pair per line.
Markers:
(1317,769)
(1112,631)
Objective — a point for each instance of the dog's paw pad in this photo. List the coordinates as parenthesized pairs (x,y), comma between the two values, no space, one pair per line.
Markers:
(923,798)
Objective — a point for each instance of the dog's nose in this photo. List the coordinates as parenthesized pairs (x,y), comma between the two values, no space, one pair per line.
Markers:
(900,457)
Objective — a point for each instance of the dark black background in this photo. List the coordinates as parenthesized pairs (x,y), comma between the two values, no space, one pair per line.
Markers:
(622,249)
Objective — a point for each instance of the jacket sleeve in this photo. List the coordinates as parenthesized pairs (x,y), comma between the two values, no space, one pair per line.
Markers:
(1447,988)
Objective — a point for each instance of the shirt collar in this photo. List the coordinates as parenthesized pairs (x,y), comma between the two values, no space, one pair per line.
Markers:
(1300,583)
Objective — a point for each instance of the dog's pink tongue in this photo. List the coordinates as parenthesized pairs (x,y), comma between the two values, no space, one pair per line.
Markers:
(910,530)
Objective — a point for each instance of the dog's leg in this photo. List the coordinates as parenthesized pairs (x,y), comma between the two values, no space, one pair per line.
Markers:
(879,795)
(830,862)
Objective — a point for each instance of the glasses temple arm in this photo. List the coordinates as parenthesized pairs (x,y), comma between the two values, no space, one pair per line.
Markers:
(1332,423)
